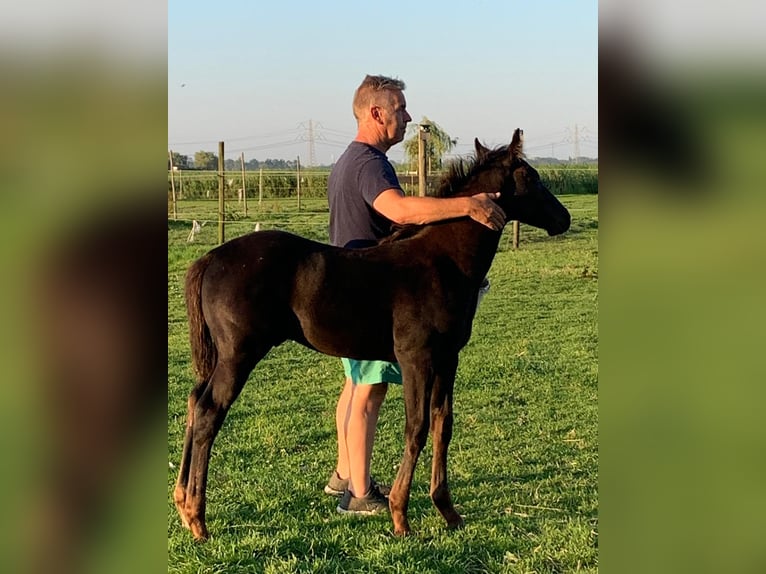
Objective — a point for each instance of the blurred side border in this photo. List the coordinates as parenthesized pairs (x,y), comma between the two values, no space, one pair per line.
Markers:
(681,304)
(84,115)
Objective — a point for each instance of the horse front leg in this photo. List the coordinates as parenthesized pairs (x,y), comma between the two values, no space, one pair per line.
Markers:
(441,434)
(416,400)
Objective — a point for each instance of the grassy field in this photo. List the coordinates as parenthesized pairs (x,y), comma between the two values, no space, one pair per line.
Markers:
(524,457)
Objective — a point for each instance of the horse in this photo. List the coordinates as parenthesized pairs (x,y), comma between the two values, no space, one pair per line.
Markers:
(419,287)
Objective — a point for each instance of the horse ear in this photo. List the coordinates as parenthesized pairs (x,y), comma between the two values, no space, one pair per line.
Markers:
(517,143)
(481,151)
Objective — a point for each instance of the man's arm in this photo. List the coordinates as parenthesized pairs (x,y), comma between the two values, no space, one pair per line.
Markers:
(419,210)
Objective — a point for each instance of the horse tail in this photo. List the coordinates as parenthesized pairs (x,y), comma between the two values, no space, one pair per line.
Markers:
(204,353)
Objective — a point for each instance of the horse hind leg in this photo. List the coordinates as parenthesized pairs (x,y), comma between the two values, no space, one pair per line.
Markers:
(179,494)
(208,414)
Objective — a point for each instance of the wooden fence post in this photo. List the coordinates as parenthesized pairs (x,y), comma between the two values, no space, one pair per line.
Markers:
(244,187)
(173,186)
(422,139)
(260,186)
(221,188)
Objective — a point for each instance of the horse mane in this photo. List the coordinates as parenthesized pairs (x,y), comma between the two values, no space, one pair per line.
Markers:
(459,170)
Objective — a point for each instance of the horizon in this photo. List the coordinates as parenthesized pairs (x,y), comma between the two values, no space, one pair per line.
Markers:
(268,80)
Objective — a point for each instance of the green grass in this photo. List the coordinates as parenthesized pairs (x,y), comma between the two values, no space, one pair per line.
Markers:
(523,459)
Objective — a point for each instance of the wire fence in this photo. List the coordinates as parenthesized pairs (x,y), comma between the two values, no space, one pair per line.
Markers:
(312,183)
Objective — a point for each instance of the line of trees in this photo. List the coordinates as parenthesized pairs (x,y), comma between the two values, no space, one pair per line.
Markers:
(207,160)
(438,144)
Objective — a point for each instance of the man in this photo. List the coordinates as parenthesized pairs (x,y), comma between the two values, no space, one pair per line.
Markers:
(365,200)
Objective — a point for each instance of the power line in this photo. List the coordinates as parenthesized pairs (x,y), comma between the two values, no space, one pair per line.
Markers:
(310,137)
(312,155)
(574,138)
(240,138)
(314,134)
(266,146)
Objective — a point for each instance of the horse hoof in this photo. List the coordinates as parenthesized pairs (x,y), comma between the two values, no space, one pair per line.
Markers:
(199,531)
(456,524)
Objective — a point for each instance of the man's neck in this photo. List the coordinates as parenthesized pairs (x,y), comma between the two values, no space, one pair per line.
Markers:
(373,140)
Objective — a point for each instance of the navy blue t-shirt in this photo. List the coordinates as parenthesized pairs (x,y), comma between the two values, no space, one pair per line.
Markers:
(356,180)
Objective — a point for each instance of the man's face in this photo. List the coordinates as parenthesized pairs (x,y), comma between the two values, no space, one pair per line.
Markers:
(395,117)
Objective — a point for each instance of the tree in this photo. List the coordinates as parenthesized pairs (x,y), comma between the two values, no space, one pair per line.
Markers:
(437,145)
(180,161)
(205,160)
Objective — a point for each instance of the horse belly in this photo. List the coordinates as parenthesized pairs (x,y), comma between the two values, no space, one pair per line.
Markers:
(343,304)
(338,324)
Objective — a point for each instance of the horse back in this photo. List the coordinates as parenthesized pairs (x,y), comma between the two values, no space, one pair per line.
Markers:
(276,286)
(364,303)
(248,285)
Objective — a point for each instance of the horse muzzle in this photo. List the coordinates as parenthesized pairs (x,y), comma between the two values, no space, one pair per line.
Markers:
(562,223)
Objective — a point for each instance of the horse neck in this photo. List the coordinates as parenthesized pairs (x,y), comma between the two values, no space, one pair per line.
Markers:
(471,245)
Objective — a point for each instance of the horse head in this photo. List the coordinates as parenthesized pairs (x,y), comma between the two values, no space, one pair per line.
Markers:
(523,196)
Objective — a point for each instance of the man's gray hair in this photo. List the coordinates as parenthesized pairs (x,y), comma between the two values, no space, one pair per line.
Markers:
(370,88)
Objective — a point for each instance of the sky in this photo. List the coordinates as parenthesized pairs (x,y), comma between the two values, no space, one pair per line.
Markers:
(268,77)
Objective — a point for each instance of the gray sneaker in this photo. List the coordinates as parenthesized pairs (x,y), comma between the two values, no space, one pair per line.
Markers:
(336,485)
(372,502)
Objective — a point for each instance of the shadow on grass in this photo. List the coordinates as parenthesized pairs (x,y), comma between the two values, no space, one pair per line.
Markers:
(301,531)
(343,544)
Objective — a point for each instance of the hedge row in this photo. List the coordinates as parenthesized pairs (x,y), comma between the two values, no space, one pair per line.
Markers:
(280,184)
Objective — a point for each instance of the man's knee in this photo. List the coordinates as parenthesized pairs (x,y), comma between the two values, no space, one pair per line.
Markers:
(372,395)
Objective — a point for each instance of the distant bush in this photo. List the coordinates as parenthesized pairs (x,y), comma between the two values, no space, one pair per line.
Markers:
(194,184)
(569,179)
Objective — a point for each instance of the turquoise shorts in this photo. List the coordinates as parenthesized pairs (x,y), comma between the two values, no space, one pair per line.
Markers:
(372,372)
